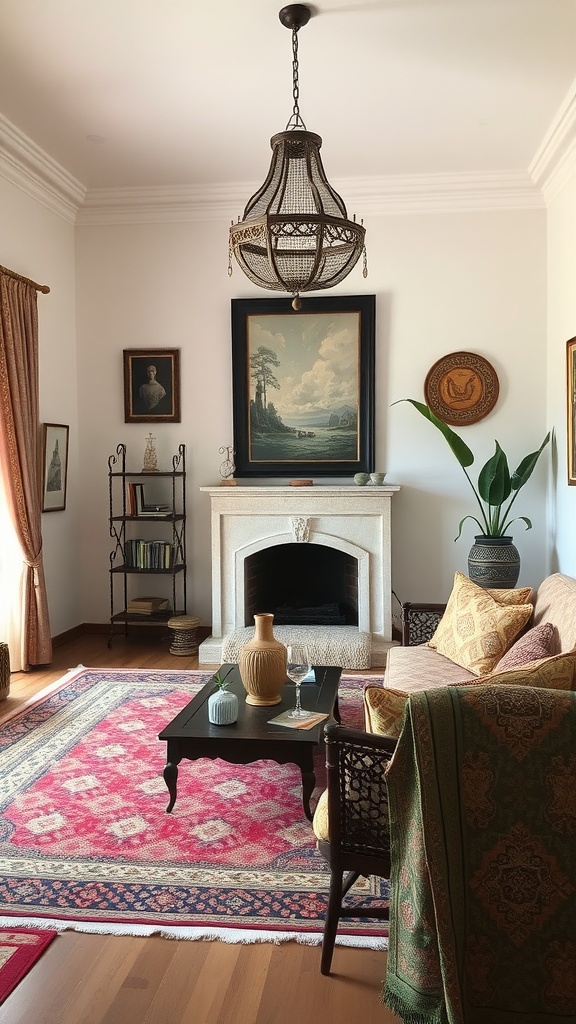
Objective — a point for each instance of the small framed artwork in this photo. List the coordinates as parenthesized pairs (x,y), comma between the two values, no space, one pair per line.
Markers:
(152,385)
(571,408)
(55,463)
(303,386)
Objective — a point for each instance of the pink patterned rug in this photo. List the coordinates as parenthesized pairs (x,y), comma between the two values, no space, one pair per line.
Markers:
(85,841)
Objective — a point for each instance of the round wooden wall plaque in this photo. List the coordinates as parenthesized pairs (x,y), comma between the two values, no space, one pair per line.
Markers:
(461,388)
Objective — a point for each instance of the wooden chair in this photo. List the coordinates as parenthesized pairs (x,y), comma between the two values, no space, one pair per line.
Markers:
(355,838)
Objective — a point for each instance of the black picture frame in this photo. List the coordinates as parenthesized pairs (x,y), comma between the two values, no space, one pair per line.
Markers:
(55,437)
(323,396)
(571,410)
(151,407)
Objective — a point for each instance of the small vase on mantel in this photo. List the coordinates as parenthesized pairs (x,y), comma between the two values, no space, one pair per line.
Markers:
(262,664)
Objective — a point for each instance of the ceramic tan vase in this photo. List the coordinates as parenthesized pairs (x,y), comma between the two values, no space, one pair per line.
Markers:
(262,664)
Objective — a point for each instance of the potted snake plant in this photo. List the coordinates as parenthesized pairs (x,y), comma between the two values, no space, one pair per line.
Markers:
(493,559)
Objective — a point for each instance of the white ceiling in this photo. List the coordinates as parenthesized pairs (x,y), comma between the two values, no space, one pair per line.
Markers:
(189,93)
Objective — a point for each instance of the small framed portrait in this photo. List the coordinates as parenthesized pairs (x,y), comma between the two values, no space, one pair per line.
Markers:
(55,463)
(571,409)
(151,385)
(303,386)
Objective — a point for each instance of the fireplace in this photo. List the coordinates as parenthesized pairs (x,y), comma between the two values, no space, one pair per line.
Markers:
(338,538)
(302,584)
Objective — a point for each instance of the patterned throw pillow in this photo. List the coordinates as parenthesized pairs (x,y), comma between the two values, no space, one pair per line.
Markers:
(384,709)
(320,822)
(535,644)
(553,673)
(523,595)
(476,630)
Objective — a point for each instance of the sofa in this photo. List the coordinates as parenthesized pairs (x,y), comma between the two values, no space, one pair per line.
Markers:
(502,636)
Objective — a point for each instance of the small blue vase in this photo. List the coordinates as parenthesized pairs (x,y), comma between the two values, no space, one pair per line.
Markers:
(222,707)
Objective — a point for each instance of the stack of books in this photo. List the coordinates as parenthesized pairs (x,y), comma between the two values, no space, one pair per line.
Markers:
(148,605)
(148,554)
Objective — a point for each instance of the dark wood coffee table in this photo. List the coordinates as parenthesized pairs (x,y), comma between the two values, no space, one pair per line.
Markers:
(251,738)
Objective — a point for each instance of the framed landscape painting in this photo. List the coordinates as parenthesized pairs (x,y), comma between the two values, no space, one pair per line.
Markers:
(303,386)
(152,385)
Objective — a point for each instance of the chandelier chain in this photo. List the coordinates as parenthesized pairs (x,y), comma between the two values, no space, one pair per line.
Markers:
(295,119)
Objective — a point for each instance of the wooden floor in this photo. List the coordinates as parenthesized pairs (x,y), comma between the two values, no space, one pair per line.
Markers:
(92,979)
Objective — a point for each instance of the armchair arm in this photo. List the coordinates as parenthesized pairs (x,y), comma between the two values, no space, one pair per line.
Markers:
(356,764)
(419,622)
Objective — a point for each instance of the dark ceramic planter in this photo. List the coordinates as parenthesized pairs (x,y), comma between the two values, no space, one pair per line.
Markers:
(494,562)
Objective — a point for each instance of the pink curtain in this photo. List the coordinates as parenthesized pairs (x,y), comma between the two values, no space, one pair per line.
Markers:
(21,457)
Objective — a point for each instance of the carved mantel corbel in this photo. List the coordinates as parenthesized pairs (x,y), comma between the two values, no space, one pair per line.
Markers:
(301,529)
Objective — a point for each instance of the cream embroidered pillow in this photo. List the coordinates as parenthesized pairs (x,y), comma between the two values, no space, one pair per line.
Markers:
(558,672)
(320,822)
(384,710)
(524,595)
(476,630)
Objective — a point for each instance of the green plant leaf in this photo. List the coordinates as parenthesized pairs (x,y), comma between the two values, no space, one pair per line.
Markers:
(494,479)
(461,524)
(518,519)
(458,446)
(526,467)
(495,483)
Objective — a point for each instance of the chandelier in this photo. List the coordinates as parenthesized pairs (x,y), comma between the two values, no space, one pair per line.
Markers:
(294,235)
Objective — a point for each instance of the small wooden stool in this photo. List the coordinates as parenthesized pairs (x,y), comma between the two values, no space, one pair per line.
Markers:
(184,641)
(4,671)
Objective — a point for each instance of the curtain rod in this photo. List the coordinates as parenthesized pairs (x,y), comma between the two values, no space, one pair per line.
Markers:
(18,277)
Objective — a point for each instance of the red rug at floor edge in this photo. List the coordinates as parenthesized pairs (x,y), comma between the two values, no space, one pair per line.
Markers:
(20,949)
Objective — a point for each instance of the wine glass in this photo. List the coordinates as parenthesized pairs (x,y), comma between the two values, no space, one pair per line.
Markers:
(297,668)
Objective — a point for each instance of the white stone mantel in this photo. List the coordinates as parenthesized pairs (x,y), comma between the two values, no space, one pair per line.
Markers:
(250,517)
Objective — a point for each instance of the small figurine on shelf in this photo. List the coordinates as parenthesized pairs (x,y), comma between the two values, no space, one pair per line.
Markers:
(227,467)
(150,460)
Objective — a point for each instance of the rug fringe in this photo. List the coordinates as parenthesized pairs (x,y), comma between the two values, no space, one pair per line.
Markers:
(241,936)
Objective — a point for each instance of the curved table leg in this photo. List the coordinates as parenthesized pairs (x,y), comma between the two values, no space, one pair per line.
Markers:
(308,784)
(170,774)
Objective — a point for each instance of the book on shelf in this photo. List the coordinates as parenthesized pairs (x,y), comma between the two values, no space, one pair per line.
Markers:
(137,506)
(148,554)
(298,723)
(148,605)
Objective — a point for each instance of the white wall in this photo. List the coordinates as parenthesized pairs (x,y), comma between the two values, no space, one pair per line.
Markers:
(39,244)
(561,328)
(444,282)
(472,282)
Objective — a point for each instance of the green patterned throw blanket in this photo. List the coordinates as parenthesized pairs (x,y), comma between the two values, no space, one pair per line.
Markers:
(482,792)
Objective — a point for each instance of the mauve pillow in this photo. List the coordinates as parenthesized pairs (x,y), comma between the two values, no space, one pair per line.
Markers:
(536,643)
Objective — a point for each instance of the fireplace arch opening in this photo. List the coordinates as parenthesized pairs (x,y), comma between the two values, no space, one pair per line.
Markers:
(302,584)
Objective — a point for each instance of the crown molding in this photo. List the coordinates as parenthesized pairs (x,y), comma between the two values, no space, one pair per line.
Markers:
(555,160)
(437,193)
(30,169)
(164,204)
